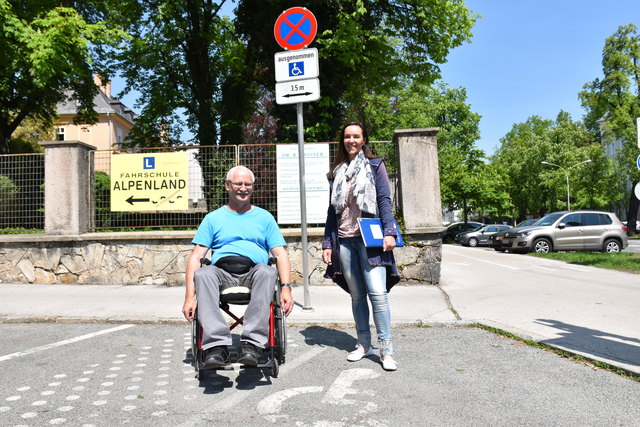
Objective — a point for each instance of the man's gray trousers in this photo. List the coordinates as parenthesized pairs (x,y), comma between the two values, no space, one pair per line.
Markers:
(211,280)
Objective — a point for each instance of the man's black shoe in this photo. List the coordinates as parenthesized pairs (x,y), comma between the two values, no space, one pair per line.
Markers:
(249,354)
(216,357)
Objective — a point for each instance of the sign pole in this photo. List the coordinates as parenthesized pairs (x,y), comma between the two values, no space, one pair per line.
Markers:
(303,209)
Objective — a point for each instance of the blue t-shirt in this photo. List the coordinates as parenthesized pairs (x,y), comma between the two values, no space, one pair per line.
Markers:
(251,234)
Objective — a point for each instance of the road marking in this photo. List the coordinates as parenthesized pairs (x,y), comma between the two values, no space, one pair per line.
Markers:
(271,405)
(342,386)
(238,396)
(488,262)
(575,267)
(64,342)
(539,267)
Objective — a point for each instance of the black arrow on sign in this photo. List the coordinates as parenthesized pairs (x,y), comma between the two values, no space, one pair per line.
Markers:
(131,200)
(289,95)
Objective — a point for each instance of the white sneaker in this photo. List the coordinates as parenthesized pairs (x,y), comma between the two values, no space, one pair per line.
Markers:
(358,354)
(388,364)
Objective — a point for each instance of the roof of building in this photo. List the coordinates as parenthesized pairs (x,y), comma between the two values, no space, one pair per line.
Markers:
(103,104)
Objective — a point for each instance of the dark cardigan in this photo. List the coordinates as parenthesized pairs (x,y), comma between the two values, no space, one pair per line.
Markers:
(376,255)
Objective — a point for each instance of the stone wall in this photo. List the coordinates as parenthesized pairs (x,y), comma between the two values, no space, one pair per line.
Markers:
(161,257)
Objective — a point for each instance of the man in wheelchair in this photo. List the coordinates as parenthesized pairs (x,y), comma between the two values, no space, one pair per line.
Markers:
(240,236)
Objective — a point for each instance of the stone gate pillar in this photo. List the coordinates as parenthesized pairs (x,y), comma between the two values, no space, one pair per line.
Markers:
(419,186)
(419,202)
(68,175)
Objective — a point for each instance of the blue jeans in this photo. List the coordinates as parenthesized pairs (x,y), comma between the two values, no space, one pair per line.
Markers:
(364,279)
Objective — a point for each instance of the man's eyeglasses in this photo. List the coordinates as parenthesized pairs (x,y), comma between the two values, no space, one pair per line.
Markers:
(239,185)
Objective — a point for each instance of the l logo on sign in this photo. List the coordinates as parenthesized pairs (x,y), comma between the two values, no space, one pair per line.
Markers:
(149,163)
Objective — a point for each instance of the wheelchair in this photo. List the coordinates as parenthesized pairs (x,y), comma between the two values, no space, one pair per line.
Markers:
(273,355)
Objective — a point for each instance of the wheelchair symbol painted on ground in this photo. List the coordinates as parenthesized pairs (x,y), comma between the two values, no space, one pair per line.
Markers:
(340,393)
(296,69)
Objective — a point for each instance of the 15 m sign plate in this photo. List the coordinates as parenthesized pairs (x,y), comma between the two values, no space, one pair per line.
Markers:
(298,91)
(150,182)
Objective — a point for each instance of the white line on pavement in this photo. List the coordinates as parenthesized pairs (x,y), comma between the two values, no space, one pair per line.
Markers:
(234,399)
(239,395)
(64,342)
(488,262)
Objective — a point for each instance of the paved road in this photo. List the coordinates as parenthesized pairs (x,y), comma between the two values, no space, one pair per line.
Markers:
(583,309)
(140,375)
(634,245)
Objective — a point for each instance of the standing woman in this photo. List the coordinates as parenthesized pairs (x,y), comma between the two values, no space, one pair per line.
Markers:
(360,188)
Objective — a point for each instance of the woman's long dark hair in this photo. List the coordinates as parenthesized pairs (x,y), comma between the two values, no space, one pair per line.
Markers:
(341,156)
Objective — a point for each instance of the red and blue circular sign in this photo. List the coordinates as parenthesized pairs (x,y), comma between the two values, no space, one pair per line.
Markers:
(295,28)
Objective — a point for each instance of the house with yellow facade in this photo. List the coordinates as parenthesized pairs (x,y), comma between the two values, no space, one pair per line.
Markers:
(115,120)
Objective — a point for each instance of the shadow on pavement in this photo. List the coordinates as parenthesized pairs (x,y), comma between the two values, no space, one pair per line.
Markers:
(592,341)
(319,335)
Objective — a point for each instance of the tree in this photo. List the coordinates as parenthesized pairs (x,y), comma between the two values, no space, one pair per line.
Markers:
(464,177)
(614,101)
(46,50)
(364,47)
(536,189)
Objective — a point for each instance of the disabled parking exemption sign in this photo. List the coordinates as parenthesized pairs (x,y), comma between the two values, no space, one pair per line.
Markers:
(150,182)
(316,165)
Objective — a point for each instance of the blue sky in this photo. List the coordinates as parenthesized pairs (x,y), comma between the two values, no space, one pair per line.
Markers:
(525,58)
(532,58)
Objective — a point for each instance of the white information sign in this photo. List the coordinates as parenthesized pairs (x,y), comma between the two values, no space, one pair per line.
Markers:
(297,91)
(316,166)
(638,129)
(296,65)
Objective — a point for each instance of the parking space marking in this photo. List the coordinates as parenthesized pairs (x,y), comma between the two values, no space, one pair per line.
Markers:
(270,406)
(63,342)
(488,262)
(539,267)
(240,395)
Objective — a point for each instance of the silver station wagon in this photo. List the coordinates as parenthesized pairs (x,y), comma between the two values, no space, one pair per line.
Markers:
(583,230)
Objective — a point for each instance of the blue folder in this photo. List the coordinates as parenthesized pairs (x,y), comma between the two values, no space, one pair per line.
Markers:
(373,233)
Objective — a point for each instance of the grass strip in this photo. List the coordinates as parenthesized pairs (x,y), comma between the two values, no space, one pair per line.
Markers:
(622,261)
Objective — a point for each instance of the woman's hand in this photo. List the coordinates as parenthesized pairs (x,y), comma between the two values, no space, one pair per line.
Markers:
(326,256)
(388,243)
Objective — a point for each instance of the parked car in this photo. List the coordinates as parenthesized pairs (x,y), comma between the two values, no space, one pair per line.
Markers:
(449,235)
(495,240)
(480,236)
(569,231)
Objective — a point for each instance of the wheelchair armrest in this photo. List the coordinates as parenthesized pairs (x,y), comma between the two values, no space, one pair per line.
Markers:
(272,260)
(205,261)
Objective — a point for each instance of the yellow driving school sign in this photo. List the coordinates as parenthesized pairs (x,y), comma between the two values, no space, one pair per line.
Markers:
(149,182)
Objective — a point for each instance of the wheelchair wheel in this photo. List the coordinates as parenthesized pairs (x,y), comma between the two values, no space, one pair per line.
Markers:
(275,369)
(280,334)
(196,353)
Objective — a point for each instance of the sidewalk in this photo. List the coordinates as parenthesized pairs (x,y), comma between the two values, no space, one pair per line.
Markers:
(579,321)
(150,303)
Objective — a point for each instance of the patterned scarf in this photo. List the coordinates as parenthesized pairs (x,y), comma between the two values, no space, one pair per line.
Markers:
(363,186)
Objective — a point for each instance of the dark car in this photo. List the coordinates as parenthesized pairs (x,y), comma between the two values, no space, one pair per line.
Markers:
(449,235)
(495,240)
(480,236)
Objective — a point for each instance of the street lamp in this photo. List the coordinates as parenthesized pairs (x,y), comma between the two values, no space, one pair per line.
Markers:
(566,173)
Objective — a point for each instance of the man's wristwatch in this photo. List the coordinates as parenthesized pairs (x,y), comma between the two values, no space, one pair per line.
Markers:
(285,285)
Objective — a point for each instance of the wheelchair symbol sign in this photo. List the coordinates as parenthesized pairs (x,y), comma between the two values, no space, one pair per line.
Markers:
(298,65)
(296,69)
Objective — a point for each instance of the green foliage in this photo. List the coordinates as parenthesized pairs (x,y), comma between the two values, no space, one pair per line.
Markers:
(535,188)
(364,46)
(466,182)
(613,104)
(46,50)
